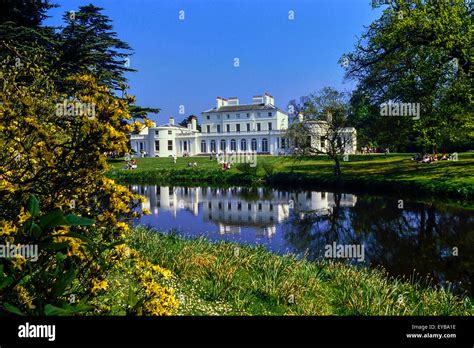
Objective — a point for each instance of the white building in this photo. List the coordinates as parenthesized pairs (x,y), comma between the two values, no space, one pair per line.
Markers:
(228,127)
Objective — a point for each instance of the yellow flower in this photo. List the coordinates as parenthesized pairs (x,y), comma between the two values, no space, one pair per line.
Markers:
(8,228)
(146,211)
(98,285)
(23,216)
(18,262)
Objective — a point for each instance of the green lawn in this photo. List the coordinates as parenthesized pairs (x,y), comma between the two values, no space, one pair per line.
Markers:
(392,172)
(215,279)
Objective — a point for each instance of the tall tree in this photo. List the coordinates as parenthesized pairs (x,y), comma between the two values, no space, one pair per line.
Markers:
(22,30)
(420,51)
(89,45)
(323,127)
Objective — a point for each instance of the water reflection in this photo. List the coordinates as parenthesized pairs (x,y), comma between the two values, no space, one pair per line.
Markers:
(420,238)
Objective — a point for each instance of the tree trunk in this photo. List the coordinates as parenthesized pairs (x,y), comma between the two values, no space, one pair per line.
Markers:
(337,166)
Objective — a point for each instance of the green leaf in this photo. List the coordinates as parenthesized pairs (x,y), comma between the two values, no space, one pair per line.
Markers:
(33,205)
(55,246)
(12,309)
(63,282)
(52,310)
(6,282)
(52,219)
(35,230)
(60,257)
(75,220)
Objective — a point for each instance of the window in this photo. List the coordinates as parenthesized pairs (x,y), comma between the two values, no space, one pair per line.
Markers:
(208,129)
(203,146)
(233,145)
(227,126)
(237,126)
(208,117)
(248,115)
(259,206)
(239,206)
(248,127)
(249,207)
(259,127)
(282,143)
(228,116)
(157,145)
(238,115)
(264,145)
(170,145)
(269,126)
(213,145)
(270,114)
(223,144)
(157,132)
(323,142)
(185,146)
(271,207)
(258,114)
(170,132)
(254,144)
(243,145)
(218,128)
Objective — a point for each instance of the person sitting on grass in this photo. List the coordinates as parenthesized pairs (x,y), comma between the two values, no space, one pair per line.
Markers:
(195,164)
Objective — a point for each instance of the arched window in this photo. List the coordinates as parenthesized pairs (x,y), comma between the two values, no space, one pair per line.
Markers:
(233,145)
(243,145)
(264,145)
(254,144)
(223,145)
(203,146)
(213,145)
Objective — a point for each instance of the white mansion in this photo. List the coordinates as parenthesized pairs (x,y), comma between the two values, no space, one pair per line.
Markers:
(229,127)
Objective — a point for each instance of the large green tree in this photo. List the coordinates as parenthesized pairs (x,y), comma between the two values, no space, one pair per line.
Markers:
(89,45)
(420,51)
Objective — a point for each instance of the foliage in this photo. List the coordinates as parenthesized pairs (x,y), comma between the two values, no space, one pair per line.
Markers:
(59,155)
(89,46)
(325,121)
(213,279)
(419,52)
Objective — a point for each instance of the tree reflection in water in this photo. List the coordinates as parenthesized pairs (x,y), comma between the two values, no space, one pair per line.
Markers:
(419,239)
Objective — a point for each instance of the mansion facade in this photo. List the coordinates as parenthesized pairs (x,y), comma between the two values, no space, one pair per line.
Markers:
(229,127)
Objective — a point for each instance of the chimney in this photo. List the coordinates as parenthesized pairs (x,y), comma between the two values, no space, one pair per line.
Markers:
(193,123)
(171,121)
(221,102)
(268,99)
(257,99)
(233,101)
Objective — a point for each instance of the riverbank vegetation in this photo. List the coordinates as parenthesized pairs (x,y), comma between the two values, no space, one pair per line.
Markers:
(230,279)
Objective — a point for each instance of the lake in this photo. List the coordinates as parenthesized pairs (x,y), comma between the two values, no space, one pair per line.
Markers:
(405,237)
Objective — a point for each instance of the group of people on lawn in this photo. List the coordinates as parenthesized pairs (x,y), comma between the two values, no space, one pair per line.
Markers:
(427,158)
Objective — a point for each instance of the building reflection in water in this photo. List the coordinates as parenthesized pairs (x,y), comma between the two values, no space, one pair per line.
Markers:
(231,209)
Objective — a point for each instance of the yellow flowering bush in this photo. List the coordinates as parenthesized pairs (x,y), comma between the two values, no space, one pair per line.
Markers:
(53,193)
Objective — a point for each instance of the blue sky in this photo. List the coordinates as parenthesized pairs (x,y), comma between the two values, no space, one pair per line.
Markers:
(189,62)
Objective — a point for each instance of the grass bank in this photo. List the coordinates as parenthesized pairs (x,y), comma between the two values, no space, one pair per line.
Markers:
(370,173)
(227,279)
